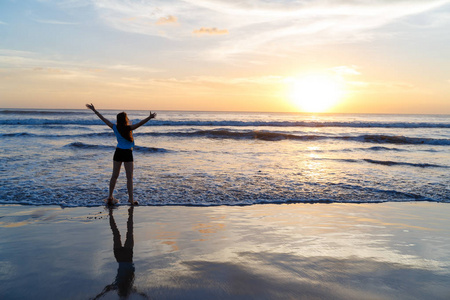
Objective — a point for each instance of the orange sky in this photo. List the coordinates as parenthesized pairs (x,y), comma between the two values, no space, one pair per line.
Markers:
(386,57)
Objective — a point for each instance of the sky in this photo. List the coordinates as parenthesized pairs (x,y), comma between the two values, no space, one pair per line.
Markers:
(343,56)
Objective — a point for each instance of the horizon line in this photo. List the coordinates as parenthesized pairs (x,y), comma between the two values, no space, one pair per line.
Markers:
(237,111)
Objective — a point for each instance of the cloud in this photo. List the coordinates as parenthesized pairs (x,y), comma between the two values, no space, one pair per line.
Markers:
(345,70)
(382,85)
(167,20)
(133,68)
(25,60)
(261,26)
(48,70)
(142,17)
(55,22)
(210,31)
(286,17)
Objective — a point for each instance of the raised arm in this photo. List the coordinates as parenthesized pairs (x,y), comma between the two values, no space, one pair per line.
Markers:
(107,122)
(135,126)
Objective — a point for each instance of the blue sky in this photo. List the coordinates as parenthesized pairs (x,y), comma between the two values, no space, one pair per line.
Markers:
(390,56)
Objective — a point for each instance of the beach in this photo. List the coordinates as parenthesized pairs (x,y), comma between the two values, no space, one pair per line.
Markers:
(270,251)
(242,150)
(231,206)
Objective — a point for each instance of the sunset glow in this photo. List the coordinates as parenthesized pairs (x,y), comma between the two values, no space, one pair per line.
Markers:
(316,93)
(205,55)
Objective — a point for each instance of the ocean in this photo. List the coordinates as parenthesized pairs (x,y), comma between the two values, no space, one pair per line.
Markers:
(64,157)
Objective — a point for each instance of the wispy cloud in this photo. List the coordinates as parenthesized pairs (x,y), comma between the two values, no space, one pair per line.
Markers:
(133,68)
(257,23)
(345,70)
(210,31)
(376,86)
(25,60)
(167,20)
(315,23)
(203,85)
(55,22)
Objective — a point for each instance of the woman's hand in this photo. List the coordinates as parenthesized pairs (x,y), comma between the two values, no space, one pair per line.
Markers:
(91,107)
(152,115)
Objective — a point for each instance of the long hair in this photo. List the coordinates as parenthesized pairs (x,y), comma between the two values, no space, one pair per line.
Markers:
(123,126)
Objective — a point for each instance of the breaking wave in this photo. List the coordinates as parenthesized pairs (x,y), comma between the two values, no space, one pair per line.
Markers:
(41,112)
(263,135)
(396,163)
(277,136)
(226,123)
(79,145)
(388,163)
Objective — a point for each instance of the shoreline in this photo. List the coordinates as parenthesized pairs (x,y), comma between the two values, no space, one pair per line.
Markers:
(269,251)
(125,203)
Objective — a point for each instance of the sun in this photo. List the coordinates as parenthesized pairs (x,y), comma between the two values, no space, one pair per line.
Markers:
(316,93)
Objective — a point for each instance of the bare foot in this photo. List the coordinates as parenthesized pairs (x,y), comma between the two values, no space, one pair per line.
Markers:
(111,201)
(133,202)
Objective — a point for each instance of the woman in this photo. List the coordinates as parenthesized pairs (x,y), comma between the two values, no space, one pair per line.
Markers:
(124,150)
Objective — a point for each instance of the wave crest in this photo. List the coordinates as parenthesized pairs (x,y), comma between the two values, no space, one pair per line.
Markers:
(80,145)
(277,136)
(396,163)
(199,123)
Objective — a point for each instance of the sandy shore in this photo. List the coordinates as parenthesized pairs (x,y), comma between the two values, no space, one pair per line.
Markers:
(296,251)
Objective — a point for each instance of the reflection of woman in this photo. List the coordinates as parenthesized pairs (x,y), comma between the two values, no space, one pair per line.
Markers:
(124,151)
(124,256)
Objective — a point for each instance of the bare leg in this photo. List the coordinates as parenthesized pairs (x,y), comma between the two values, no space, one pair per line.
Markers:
(129,242)
(114,176)
(115,231)
(129,171)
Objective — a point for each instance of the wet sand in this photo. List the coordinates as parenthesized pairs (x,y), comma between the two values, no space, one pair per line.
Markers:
(295,251)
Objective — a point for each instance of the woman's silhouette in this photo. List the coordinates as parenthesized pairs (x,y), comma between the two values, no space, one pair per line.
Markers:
(124,150)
